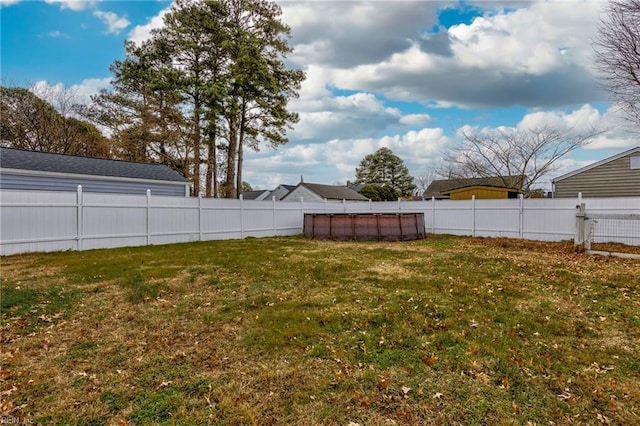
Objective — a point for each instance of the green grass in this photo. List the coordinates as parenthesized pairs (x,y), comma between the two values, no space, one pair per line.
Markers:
(446,330)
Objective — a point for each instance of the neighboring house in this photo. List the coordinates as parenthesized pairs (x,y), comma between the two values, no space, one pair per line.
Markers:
(318,192)
(617,176)
(481,188)
(45,171)
(281,191)
(265,194)
(257,195)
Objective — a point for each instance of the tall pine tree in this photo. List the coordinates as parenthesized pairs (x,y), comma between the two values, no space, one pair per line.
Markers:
(385,168)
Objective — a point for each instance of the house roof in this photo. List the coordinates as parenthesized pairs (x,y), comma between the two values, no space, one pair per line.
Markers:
(444,186)
(11,158)
(287,187)
(257,194)
(331,192)
(635,150)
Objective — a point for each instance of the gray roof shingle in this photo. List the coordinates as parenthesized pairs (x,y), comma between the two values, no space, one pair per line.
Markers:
(331,192)
(11,158)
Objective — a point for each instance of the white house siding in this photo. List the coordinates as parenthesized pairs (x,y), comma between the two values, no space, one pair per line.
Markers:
(613,179)
(279,192)
(302,192)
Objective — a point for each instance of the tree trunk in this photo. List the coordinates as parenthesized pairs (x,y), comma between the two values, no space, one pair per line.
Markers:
(241,149)
(212,175)
(229,184)
(196,145)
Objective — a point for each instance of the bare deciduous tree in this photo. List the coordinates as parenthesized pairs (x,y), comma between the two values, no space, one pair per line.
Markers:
(423,180)
(518,157)
(617,56)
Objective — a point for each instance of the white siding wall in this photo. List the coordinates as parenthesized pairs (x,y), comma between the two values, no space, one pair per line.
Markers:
(53,221)
(304,193)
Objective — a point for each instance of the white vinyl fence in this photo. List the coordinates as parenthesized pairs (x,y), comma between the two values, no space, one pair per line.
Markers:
(34,221)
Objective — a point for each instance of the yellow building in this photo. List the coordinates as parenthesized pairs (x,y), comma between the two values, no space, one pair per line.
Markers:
(481,193)
(481,188)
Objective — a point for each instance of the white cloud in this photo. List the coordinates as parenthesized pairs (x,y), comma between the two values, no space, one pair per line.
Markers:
(114,23)
(413,119)
(57,34)
(79,93)
(328,117)
(535,54)
(4,3)
(141,33)
(337,159)
(75,5)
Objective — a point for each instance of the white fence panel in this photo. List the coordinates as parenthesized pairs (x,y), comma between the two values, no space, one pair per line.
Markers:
(113,220)
(54,221)
(288,218)
(257,218)
(173,220)
(221,219)
(454,217)
(549,219)
(38,221)
(497,218)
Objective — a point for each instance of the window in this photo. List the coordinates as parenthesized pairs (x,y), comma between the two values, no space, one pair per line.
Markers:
(635,162)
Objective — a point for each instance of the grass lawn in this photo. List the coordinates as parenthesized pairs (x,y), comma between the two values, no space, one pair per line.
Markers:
(446,330)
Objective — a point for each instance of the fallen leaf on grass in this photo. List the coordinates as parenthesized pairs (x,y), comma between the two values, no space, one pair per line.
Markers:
(405,390)
(8,391)
(430,360)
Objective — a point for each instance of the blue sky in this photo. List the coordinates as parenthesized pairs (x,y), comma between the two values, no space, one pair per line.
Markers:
(407,75)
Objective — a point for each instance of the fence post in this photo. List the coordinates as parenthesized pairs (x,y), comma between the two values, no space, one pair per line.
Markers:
(79,217)
(399,205)
(148,216)
(325,205)
(521,223)
(199,216)
(579,238)
(344,205)
(433,214)
(241,216)
(473,214)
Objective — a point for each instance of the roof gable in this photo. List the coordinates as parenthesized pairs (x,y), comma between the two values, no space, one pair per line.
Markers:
(631,151)
(331,192)
(257,194)
(37,161)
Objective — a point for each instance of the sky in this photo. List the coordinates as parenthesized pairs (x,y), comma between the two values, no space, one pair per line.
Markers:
(408,75)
